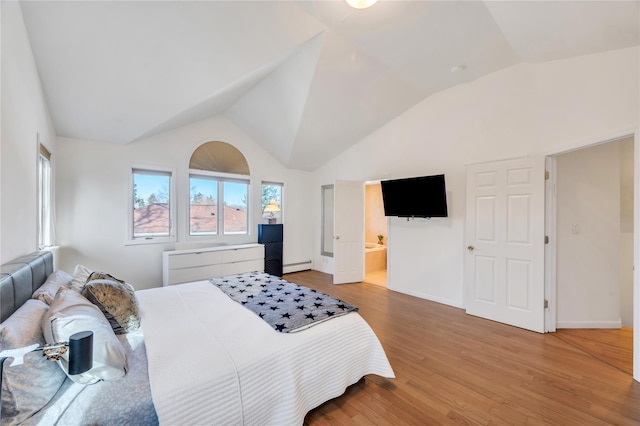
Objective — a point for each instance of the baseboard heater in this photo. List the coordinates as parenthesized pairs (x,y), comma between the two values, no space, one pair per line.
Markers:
(297,267)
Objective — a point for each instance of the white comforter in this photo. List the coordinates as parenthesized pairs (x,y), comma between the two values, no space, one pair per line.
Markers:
(211,361)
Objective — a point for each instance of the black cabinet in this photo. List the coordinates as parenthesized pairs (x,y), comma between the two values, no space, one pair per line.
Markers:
(271,237)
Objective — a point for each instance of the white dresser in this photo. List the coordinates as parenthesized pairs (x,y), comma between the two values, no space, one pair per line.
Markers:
(179,266)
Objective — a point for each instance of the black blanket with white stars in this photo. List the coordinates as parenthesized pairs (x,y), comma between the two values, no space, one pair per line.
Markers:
(287,307)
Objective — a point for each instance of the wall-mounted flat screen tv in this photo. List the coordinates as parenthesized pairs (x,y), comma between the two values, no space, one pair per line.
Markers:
(424,196)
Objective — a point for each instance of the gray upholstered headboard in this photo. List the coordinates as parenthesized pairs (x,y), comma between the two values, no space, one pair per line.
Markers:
(20,277)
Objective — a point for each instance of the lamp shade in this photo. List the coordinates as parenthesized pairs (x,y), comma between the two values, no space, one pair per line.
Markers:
(272,207)
(360,4)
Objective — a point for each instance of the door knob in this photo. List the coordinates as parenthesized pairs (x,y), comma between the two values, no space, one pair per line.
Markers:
(337,237)
(470,248)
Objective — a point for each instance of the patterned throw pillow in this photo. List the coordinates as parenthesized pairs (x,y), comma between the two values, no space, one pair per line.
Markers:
(116,299)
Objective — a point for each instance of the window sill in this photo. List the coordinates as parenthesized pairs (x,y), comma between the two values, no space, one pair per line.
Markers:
(149,240)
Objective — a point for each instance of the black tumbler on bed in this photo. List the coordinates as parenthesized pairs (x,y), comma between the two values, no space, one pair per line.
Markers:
(80,352)
(271,237)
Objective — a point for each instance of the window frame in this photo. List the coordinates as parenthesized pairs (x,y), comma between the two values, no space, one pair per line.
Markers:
(45,198)
(171,238)
(221,178)
(280,217)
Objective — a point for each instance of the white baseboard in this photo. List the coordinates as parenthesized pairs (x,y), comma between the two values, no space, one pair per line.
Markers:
(297,267)
(589,324)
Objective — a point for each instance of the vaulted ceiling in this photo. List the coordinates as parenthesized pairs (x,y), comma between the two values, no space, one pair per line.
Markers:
(305,79)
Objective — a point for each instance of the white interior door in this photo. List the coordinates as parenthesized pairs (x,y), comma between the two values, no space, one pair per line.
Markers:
(504,265)
(348,248)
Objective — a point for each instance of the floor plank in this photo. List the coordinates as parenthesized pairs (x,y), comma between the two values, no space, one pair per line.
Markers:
(613,346)
(455,369)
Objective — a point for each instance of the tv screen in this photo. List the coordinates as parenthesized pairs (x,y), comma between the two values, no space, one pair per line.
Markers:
(424,196)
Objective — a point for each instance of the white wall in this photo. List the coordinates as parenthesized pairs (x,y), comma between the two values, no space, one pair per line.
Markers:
(626,230)
(588,237)
(524,110)
(24,116)
(93,181)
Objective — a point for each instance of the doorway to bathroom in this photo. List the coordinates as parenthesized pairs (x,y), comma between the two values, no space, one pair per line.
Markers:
(375,236)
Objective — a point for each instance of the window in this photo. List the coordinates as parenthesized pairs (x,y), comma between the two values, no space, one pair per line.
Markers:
(235,206)
(152,206)
(272,193)
(207,216)
(219,190)
(203,207)
(45,211)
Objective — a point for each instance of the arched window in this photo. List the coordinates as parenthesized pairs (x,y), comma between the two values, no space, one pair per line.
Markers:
(219,157)
(219,190)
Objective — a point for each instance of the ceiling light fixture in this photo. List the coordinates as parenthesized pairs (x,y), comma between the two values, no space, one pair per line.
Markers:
(360,4)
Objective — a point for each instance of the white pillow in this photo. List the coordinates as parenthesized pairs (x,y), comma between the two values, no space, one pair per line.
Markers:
(80,275)
(70,313)
(47,291)
(26,388)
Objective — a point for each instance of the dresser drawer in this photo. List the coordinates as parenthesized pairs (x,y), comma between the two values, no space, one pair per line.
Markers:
(200,264)
(242,254)
(242,267)
(198,258)
(184,275)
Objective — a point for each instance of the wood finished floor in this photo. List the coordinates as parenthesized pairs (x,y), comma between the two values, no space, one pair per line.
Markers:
(614,347)
(455,369)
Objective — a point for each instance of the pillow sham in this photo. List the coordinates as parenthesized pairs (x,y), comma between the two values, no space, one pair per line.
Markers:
(47,291)
(26,388)
(116,299)
(80,275)
(70,313)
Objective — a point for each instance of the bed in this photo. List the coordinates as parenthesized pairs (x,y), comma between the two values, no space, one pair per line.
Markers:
(197,356)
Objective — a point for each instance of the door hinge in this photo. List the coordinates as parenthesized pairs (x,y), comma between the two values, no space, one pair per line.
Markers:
(546,239)
(546,304)
(546,175)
